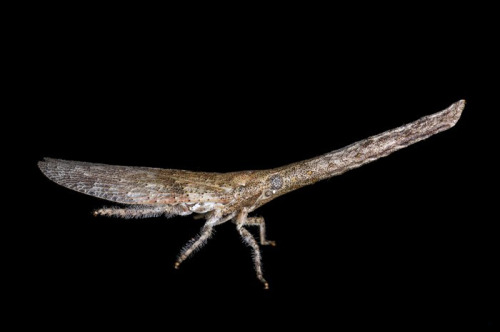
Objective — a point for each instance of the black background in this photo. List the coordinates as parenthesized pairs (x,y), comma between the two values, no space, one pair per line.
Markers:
(407,240)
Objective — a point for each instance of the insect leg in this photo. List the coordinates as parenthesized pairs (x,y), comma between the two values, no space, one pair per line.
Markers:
(198,242)
(259,221)
(143,211)
(132,212)
(250,240)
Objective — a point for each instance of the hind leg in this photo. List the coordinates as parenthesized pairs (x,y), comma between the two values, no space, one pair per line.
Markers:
(142,211)
(132,212)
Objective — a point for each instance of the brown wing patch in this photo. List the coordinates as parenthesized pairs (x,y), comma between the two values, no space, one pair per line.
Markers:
(137,185)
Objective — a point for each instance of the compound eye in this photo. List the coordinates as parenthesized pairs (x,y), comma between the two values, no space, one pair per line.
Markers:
(276,182)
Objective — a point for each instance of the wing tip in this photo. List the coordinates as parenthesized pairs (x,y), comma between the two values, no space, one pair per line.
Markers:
(44,162)
(44,167)
(51,160)
(47,165)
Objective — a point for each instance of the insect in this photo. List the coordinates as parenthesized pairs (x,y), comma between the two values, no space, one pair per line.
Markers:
(221,197)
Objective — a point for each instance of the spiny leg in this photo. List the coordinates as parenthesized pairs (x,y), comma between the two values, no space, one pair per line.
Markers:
(249,239)
(142,211)
(194,244)
(198,242)
(132,212)
(259,221)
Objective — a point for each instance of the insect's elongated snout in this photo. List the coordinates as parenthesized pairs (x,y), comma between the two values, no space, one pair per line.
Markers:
(368,150)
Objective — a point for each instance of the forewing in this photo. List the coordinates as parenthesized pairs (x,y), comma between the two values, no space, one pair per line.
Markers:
(138,185)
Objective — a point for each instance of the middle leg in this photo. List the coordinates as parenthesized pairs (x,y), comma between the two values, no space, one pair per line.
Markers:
(198,242)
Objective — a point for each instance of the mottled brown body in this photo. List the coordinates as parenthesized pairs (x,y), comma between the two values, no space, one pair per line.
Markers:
(220,197)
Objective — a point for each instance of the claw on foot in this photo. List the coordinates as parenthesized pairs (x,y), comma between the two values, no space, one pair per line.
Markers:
(177,264)
(266,285)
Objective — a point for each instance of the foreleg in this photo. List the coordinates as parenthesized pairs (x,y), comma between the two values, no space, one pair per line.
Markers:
(259,221)
(241,220)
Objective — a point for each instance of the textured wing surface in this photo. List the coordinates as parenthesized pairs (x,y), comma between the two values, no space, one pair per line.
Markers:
(138,185)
